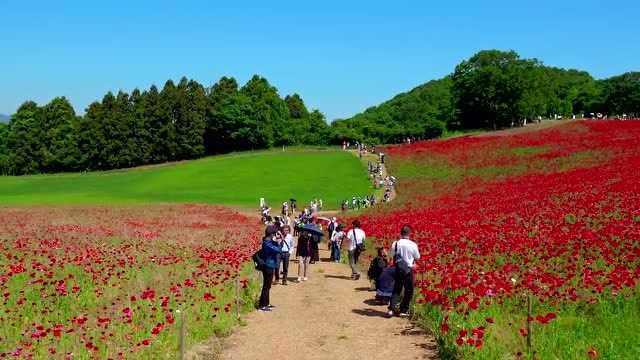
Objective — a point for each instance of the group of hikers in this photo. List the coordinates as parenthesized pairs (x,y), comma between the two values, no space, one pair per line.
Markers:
(358,202)
(391,271)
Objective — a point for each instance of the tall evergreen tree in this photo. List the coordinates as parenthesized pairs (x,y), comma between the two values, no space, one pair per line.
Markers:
(23,140)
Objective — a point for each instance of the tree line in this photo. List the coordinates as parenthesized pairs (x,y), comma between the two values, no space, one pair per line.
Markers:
(180,121)
(494,89)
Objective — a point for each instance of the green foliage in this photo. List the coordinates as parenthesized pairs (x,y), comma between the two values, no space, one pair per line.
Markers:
(179,122)
(226,179)
(621,94)
(419,114)
(492,89)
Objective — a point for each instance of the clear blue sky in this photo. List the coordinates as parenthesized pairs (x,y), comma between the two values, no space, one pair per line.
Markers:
(341,56)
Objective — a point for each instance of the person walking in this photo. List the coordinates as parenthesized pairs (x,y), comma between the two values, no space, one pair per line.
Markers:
(303,253)
(330,229)
(288,243)
(404,253)
(336,243)
(356,238)
(271,248)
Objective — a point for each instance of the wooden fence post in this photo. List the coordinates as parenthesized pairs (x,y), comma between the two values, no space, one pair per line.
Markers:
(182,335)
(238,296)
(529,323)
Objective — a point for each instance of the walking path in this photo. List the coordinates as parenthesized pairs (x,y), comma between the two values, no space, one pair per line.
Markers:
(329,316)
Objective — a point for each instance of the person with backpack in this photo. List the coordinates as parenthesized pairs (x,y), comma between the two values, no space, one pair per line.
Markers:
(356,238)
(404,253)
(271,249)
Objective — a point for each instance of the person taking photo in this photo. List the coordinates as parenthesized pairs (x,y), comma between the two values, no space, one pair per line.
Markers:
(271,249)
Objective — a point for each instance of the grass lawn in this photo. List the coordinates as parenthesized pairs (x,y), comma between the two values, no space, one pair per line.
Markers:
(234,179)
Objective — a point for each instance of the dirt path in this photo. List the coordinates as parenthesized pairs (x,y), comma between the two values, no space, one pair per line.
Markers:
(329,316)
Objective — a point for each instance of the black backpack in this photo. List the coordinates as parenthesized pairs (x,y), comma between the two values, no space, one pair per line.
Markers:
(258,260)
(401,265)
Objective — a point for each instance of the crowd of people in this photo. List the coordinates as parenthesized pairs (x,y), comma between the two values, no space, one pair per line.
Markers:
(391,271)
(293,234)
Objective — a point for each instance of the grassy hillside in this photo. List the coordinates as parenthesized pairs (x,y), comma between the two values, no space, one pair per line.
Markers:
(420,113)
(235,179)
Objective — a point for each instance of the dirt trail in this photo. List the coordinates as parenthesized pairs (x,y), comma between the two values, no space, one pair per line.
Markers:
(329,316)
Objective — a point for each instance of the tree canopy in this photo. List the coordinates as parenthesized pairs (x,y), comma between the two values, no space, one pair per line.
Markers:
(180,121)
(492,89)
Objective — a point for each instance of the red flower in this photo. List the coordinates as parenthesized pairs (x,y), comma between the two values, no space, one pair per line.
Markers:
(444,327)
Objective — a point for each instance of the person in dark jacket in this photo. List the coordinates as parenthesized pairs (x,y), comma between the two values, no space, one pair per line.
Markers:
(271,249)
(378,264)
(303,252)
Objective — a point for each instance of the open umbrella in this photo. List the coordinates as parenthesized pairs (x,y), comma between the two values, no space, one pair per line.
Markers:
(311,228)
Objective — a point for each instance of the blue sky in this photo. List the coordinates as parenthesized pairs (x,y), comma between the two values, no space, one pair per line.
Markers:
(341,56)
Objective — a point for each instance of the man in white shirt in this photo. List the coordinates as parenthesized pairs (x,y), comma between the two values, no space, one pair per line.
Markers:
(356,237)
(404,253)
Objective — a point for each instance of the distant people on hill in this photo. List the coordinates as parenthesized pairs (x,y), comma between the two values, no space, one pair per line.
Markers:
(356,237)
(387,195)
(271,249)
(404,253)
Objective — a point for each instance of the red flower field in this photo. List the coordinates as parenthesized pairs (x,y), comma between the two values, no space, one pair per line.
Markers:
(101,282)
(549,217)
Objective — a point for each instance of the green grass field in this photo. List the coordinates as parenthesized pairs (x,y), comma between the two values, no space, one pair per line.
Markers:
(234,179)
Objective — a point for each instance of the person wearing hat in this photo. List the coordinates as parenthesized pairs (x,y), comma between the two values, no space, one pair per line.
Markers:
(271,249)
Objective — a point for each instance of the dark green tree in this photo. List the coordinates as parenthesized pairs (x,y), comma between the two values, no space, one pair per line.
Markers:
(621,95)
(296,106)
(23,140)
